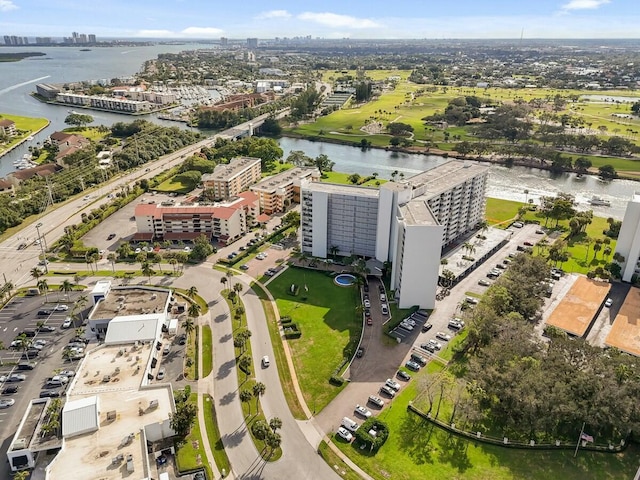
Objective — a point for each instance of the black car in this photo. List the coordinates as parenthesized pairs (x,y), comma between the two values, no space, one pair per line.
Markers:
(426,327)
(182,339)
(244,267)
(31,353)
(46,328)
(10,390)
(44,312)
(111,236)
(28,333)
(360,352)
(50,393)
(403,375)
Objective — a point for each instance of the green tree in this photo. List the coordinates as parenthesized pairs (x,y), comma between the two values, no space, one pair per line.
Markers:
(260,429)
(275,424)
(147,271)
(259,389)
(224,281)
(246,397)
(245,365)
(194,310)
(43,286)
(189,326)
(79,120)
(111,257)
(182,420)
(273,441)
(66,286)
(192,292)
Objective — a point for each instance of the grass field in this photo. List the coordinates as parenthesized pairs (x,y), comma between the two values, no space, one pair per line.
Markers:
(191,455)
(213,435)
(174,184)
(342,178)
(207,351)
(92,133)
(28,125)
(330,329)
(499,211)
(418,449)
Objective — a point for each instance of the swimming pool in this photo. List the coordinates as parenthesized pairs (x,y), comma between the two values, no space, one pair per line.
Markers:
(344,280)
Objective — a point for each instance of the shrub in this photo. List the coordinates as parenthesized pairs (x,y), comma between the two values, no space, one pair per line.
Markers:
(292,330)
(285,320)
(372,442)
(336,380)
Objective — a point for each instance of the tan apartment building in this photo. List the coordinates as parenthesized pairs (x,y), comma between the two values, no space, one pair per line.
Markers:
(8,127)
(224,223)
(229,180)
(276,193)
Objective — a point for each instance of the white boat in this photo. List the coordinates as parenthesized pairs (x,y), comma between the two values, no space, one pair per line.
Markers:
(599,202)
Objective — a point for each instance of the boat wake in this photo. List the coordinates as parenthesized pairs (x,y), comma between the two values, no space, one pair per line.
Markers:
(18,85)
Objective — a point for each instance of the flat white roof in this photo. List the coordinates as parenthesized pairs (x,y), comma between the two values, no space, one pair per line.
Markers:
(132,328)
(102,286)
(80,416)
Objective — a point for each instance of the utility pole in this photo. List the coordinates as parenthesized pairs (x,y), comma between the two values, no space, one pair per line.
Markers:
(44,256)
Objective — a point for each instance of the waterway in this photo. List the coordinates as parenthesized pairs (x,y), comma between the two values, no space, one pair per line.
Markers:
(505,183)
(68,64)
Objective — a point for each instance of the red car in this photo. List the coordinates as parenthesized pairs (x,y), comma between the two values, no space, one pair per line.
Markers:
(369,321)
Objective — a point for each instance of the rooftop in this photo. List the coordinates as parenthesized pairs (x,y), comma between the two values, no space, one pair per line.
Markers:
(579,306)
(230,170)
(282,179)
(335,188)
(129,410)
(134,328)
(28,434)
(445,177)
(417,212)
(625,332)
(125,301)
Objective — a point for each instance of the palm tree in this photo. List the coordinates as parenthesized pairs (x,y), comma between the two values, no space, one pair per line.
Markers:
(173,262)
(192,292)
(258,390)
(244,363)
(334,249)
(189,326)
(194,310)
(147,270)
(80,303)
(43,286)
(237,288)
(224,281)
(273,441)
(24,343)
(21,475)
(275,423)
(65,287)
(112,258)
(36,273)
(246,396)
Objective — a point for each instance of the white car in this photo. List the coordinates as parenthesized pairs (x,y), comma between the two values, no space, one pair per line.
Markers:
(410,321)
(436,345)
(61,308)
(345,434)
(67,322)
(608,303)
(40,342)
(17,377)
(443,336)
(391,384)
(367,303)
(406,326)
(7,402)
(67,373)
(362,411)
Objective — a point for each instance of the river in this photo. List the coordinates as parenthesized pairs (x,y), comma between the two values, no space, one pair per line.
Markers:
(67,64)
(506,183)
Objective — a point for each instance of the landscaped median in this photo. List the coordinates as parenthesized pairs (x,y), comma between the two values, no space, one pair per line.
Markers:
(264,434)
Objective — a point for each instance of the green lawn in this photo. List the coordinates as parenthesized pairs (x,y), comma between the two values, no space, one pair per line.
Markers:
(330,329)
(418,449)
(92,133)
(207,351)
(499,211)
(191,455)
(342,178)
(174,184)
(335,462)
(28,125)
(213,436)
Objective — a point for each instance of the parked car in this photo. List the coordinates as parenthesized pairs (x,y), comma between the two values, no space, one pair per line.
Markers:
(412,366)
(484,283)
(61,308)
(244,267)
(391,384)
(182,339)
(443,336)
(46,328)
(385,309)
(456,324)
(528,244)
(377,401)
(26,366)
(345,434)
(111,236)
(50,393)
(7,402)
(67,322)
(10,390)
(608,303)
(42,313)
(265,361)
(160,374)
(68,373)
(350,424)
(362,411)
(406,326)
(403,375)
(429,347)
(16,377)
(367,303)
(369,321)
(471,300)
(390,392)
(419,359)
(426,327)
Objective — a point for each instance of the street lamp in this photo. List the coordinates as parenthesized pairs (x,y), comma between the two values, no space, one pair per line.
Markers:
(41,240)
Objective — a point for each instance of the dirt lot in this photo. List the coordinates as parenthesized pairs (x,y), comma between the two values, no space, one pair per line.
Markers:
(577,310)
(625,333)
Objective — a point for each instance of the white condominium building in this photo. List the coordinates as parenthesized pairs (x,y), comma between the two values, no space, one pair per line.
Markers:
(629,239)
(407,223)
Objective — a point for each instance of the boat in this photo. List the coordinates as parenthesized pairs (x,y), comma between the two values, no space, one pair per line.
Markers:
(599,202)
(580,176)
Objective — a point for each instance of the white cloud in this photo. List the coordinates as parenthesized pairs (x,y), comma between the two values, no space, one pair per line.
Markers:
(274,14)
(584,4)
(7,6)
(338,21)
(189,32)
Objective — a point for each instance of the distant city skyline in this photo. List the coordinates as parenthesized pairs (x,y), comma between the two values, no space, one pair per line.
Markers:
(183,19)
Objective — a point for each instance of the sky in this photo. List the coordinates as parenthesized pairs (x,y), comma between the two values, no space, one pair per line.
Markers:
(391,19)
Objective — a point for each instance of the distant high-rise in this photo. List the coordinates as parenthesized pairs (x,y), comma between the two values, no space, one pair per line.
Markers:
(252,43)
(7,40)
(43,40)
(224,41)
(25,40)
(92,38)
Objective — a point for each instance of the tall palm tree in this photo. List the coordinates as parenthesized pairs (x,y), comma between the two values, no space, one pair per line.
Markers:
(245,397)
(147,271)
(189,326)
(80,303)
(275,423)
(112,257)
(258,390)
(194,310)
(173,262)
(224,281)
(36,273)
(43,286)
(237,288)
(192,291)
(65,287)
(24,343)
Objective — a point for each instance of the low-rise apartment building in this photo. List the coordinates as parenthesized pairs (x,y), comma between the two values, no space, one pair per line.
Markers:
(8,127)
(229,180)
(278,192)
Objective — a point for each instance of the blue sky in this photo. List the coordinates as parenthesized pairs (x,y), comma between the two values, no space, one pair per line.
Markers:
(327,19)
